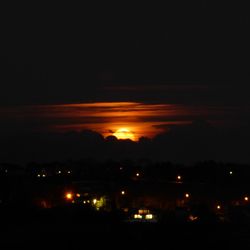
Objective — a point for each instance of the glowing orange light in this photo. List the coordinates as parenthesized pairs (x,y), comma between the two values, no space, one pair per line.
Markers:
(124,133)
(218,207)
(123,192)
(69,196)
(246,198)
(187,195)
(178,177)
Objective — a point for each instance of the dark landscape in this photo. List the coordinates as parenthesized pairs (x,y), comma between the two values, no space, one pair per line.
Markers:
(206,205)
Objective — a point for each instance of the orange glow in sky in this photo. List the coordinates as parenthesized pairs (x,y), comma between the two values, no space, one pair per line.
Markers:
(125,120)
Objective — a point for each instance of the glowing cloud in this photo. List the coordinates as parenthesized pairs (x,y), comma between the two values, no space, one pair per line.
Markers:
(125,120)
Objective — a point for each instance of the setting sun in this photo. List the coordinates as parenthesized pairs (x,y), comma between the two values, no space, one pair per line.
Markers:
(124,133)
(124,120)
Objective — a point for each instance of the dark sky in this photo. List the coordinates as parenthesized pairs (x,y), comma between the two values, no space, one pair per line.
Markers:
(193,53)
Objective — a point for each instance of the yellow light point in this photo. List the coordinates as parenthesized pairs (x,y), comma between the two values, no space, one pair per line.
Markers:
(218,207)
(78,195)
(69,196)
(123,192)
(94,201)
(246,198)
(187,195)
(124,133)
(137,174)
(137,216)
(178,177)
(149,216)
(231,172)
(59,172)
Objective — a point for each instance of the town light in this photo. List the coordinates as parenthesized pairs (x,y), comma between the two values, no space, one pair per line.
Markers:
(122,192)
(187,195)
(246,198)
(218,207)
(69,196)
(192,217)
(137,216)
(149,216)
(178,177)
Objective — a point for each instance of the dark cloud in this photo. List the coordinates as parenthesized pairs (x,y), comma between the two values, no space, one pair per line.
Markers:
(198,141)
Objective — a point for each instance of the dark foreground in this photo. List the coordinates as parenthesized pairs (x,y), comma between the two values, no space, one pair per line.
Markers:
(66,230)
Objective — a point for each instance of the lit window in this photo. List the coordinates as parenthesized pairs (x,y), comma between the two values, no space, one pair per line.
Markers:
(143,211)
(149,216)
(137,216)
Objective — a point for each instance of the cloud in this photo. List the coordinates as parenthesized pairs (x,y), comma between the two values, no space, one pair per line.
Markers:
(197,141)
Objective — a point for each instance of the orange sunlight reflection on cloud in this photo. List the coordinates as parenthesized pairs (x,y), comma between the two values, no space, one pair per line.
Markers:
(125,120)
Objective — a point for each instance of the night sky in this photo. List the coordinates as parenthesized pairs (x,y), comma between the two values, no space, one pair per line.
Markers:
(175,77)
